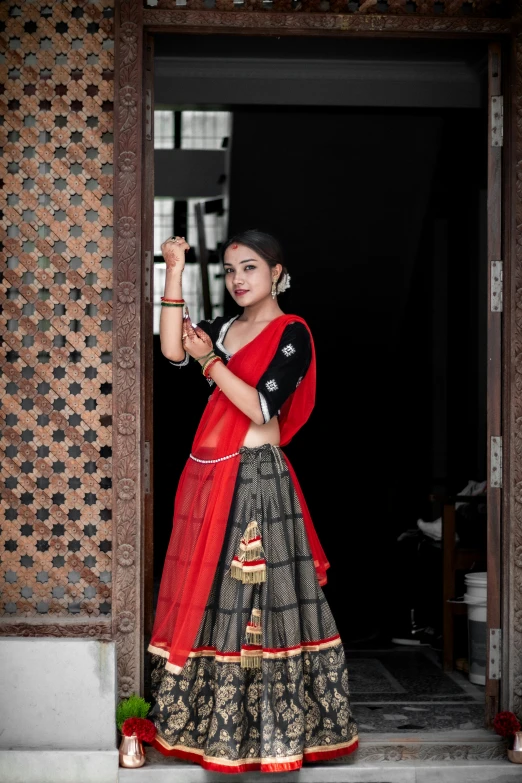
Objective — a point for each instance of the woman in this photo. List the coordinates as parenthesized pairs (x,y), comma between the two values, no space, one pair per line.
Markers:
(248,667)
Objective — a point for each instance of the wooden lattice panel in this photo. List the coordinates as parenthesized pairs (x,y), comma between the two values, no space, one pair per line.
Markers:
(56,104)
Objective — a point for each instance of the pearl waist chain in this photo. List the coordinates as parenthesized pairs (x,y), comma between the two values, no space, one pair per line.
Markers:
(213,461)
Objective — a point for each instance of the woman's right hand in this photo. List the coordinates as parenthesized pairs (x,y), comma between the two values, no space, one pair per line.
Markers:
(173,251)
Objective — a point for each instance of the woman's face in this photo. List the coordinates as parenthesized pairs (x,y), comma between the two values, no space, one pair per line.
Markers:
(248,277)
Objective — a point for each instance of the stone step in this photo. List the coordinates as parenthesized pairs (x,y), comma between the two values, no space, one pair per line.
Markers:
(452,757)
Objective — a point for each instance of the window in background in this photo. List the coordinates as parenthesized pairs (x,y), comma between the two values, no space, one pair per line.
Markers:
(205,130)
(191,130)
(164,129)
(176,129)
(163,222)
(191,290)
(215,222)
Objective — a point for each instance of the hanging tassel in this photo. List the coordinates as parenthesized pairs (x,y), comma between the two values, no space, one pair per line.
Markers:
(250,546)
(253,628)
(236,569)
(254,572)
(249,565)
(251,657)
(252,651)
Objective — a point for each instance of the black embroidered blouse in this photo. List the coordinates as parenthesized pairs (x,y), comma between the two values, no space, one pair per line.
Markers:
(284,373)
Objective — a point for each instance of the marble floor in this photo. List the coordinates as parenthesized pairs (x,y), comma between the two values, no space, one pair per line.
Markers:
(404,689)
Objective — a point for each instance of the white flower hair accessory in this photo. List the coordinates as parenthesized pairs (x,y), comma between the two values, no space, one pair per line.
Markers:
(284,283)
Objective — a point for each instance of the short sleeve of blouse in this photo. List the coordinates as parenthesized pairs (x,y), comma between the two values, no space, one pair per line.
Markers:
(286,370)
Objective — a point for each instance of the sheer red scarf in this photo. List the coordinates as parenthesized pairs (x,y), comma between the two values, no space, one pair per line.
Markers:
(204,497)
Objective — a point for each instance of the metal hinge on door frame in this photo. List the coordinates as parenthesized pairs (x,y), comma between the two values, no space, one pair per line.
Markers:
(146,467)
(148,115)
(149,267)
(495,477)
(495,654)
(497,286)
(497,120)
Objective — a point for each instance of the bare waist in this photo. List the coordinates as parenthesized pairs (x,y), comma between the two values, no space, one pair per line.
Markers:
(259,434)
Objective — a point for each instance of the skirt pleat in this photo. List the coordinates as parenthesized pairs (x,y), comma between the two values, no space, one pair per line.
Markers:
(292,705)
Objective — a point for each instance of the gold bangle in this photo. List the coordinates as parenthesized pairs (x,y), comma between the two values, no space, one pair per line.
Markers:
(209,364)
(207,359)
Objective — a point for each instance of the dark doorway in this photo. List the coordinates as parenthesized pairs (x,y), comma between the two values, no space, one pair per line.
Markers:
(381,210)
(373,207)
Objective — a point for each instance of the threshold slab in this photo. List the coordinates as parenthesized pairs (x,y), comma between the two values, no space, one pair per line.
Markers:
(454,757)
(469,772)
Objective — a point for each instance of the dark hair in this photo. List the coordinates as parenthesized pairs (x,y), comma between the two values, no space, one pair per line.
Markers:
(263,244)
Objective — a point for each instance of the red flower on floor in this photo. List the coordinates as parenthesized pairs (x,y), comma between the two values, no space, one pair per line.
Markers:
(143,728)
(506,723)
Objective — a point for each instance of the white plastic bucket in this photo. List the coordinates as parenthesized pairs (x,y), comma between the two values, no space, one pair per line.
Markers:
(476,598)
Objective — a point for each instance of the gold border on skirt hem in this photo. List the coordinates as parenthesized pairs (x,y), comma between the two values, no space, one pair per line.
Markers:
(328,748)
(256,760)
(229,762)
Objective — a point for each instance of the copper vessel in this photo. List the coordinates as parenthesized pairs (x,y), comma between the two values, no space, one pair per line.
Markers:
(515,753)
(131,752)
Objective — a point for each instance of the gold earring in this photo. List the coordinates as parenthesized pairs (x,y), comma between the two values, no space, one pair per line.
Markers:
(274,288)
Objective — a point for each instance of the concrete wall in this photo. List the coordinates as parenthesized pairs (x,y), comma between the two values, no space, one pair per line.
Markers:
(57,721)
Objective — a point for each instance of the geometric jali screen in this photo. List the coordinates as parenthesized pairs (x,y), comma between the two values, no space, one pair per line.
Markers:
(56,106)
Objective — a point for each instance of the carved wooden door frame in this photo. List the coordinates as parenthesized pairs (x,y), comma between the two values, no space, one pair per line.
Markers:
(133,22)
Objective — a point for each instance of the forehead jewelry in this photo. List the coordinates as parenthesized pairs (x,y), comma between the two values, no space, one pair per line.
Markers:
(234,247)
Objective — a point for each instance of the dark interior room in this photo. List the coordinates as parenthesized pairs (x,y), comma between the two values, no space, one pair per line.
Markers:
(381,212)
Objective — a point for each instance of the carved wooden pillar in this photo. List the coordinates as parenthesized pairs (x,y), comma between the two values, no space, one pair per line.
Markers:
(127,418)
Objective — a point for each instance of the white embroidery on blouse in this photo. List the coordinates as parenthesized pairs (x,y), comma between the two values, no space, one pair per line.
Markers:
(298,381)
(288,350)
(264,408)
(183,363)
(271,385)
(222,334)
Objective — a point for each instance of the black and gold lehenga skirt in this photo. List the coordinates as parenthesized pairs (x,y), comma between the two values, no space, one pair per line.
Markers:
(266,685)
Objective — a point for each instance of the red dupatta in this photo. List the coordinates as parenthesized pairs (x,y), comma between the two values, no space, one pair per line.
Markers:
(205,492)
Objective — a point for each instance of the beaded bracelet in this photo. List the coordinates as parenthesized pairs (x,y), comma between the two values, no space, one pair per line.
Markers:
(209,364)
(172,304)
